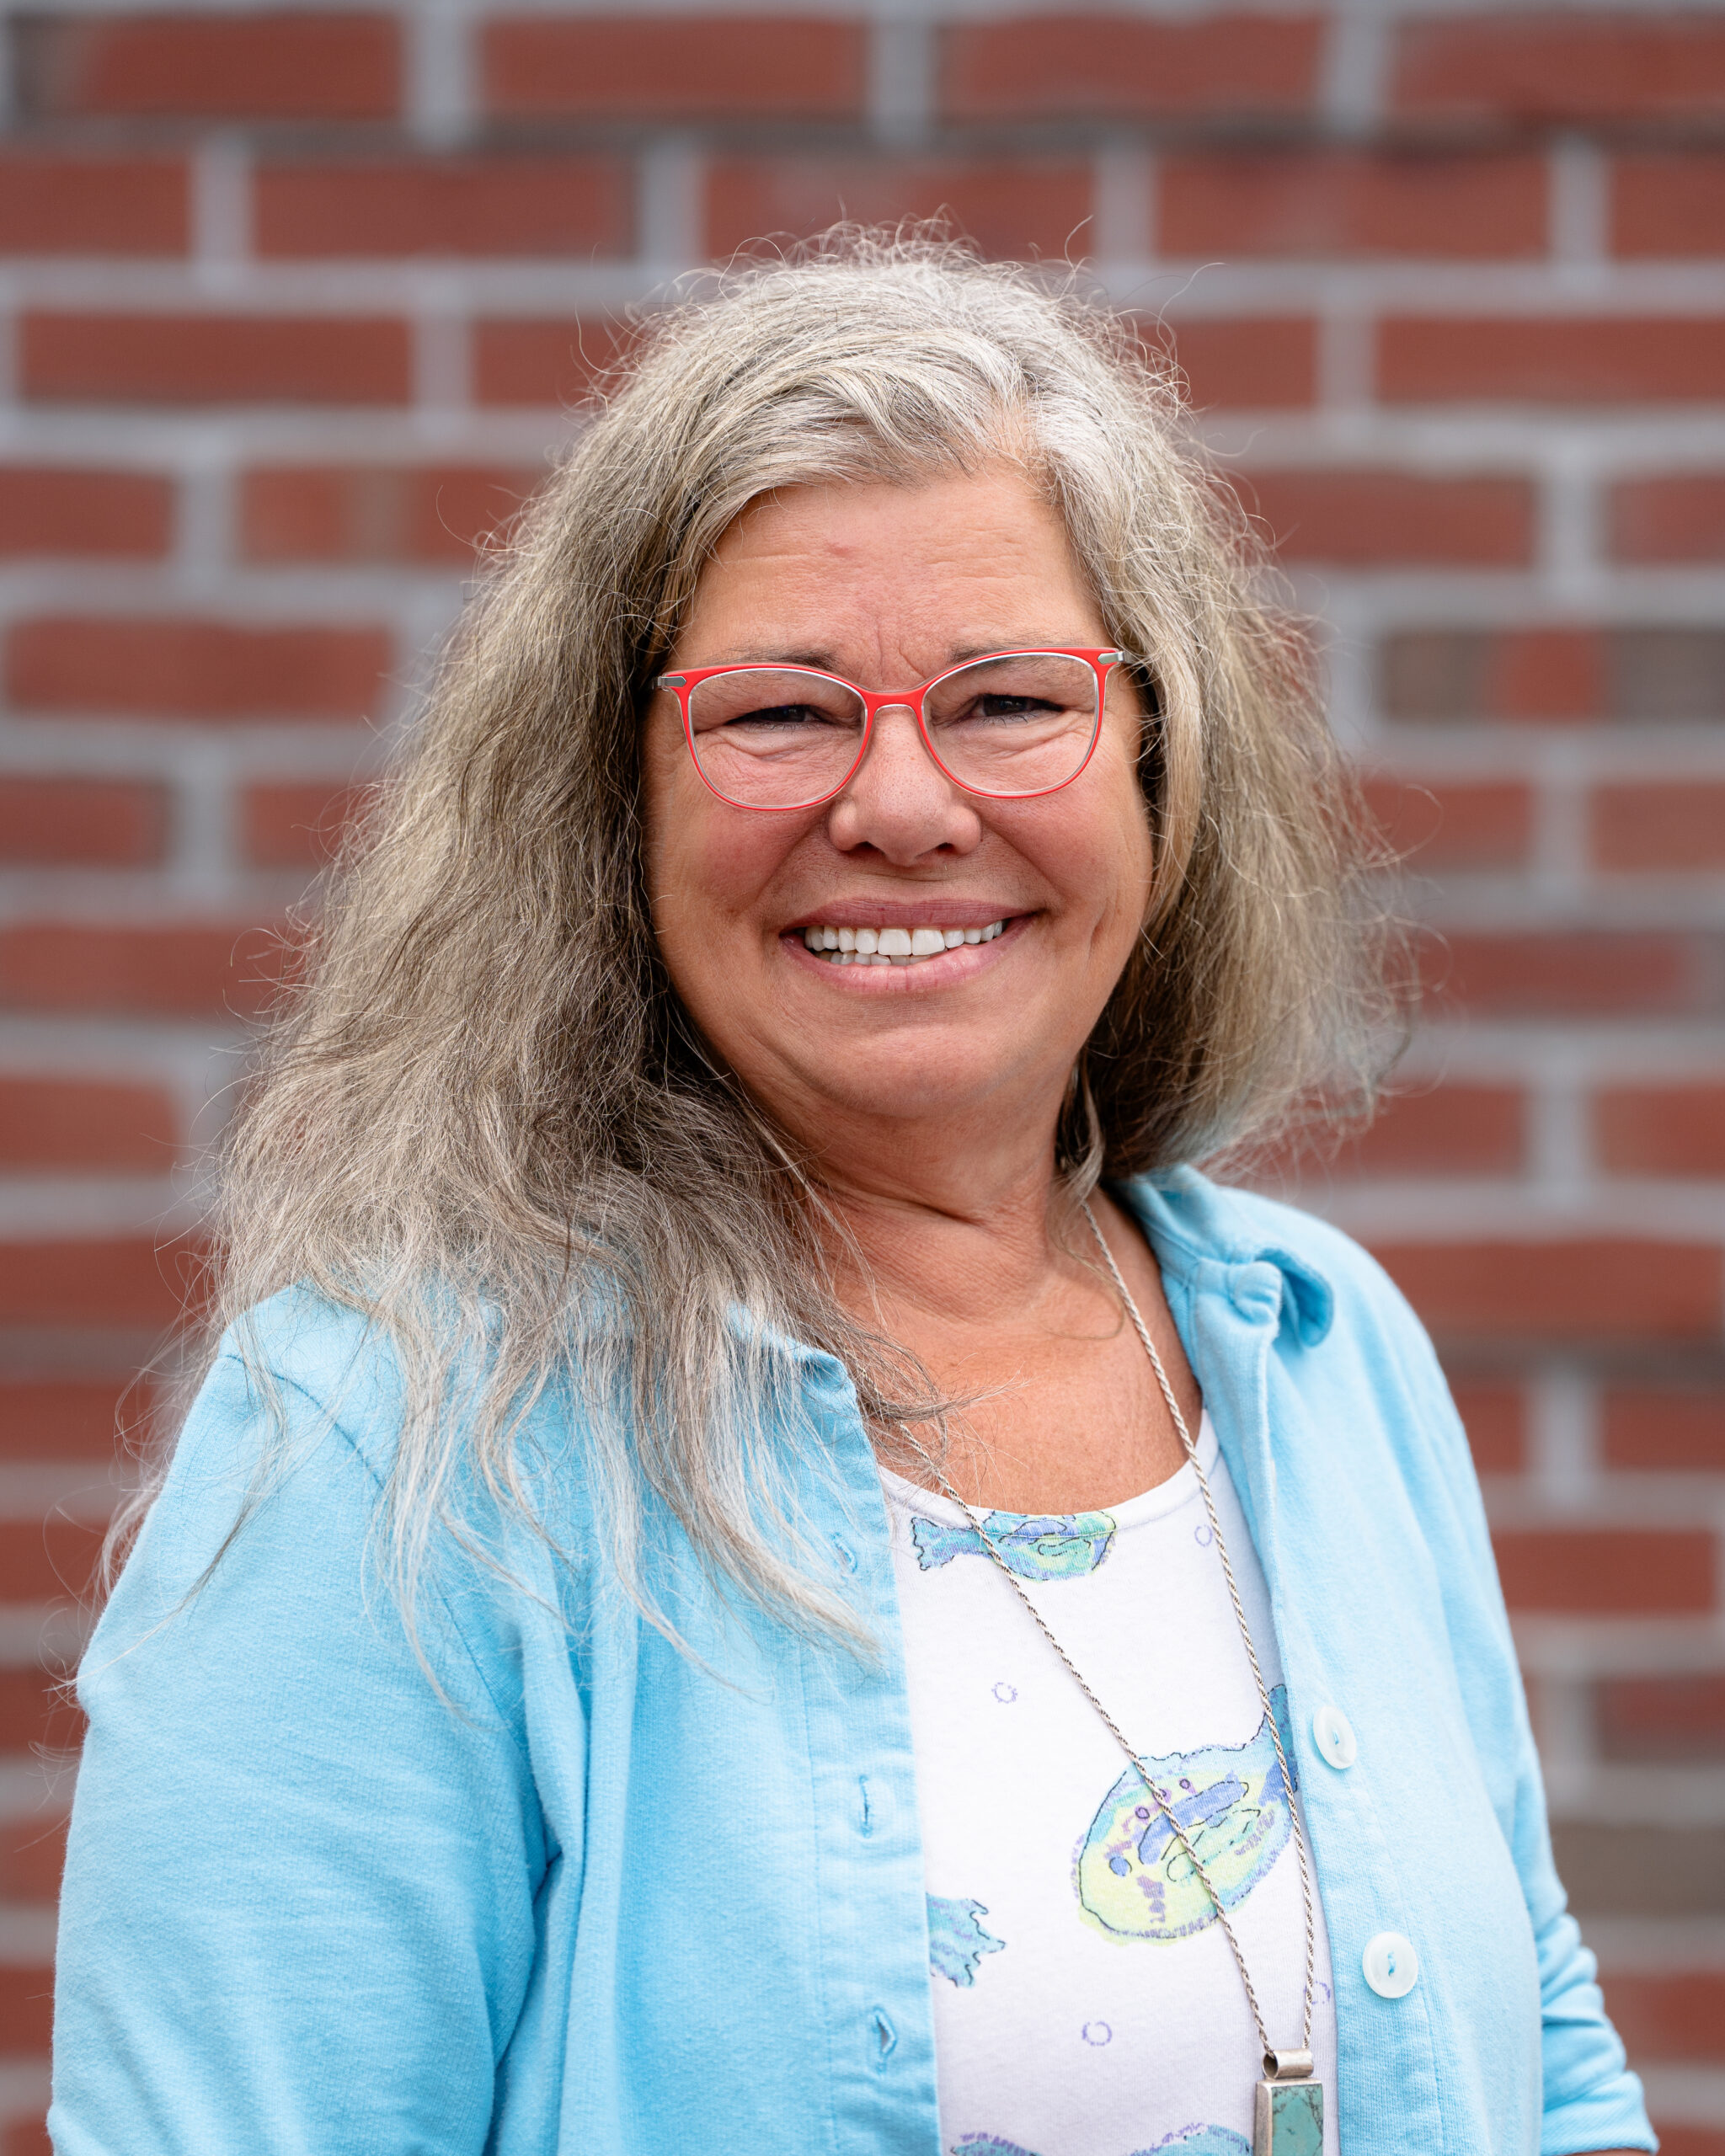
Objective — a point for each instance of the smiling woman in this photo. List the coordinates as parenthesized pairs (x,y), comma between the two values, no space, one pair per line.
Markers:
(759,1561)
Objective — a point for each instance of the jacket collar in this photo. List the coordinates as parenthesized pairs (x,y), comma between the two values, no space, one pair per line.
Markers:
(1192,1224)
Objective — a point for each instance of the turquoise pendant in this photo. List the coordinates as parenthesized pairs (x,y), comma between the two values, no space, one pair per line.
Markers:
(1290,2115)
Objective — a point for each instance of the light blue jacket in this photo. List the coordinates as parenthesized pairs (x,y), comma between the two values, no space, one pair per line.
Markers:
(605,1902)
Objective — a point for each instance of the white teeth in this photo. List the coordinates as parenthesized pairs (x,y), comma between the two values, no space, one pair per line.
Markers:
(892,946)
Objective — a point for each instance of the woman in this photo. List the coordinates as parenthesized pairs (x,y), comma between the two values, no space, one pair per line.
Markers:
(760,1558)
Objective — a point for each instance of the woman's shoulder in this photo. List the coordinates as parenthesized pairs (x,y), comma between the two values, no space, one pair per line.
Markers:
(302,1376)
(316,1354)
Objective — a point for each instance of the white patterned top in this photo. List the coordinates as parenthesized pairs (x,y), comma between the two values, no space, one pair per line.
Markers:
(1085,2002)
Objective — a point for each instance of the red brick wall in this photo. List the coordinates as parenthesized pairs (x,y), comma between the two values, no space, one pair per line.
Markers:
(292,303)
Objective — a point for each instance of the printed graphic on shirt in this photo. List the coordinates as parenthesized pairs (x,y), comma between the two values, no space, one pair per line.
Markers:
(957,1942)
(1135,1881)
(1036,1547)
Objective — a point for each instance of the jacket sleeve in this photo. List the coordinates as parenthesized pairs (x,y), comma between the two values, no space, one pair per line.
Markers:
(1592,2100)
(298,1912)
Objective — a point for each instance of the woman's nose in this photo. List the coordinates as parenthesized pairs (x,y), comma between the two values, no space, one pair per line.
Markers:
(900,801)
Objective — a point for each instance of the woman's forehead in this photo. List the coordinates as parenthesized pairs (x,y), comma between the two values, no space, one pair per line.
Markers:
(975,562)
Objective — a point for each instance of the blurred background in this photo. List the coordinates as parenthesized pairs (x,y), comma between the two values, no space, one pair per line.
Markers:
(292,306)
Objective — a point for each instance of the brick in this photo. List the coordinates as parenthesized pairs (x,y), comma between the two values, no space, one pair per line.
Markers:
(1029,207)
(1561,66)
(1496,1418)
(62,204)
(1661,675)
(33,1714)
(1661,1131)
(1677,517)
(1587,1288)
(551,362)
(56,509)
(264,65)
(1667,1425)
(1481,823)
(90,822)
(1563,676)
(188,968)
(1679,2138)
(507,206)
(660,68)
(82,1123)
(296,827)
(26,2009)
(1449,1130)
(195,670)
(1577,973)
(1351,203)
(1667,204)
(1668,2014)
(1669,1720)
(32,1855)
(213,359)
(64,1418)
(1620,1572)
(435,513)
(1089,66)
(127,1280)
(51,1560)
(1370,519)
(1538,674)
(1543,360)
(1613,1869)
(1666,825)
(1264,363)
(1446,1131)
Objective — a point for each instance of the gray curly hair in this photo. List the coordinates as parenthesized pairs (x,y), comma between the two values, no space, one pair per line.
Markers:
(481,1117)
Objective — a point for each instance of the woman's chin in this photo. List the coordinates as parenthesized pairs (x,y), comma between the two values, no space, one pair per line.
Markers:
(942,1085)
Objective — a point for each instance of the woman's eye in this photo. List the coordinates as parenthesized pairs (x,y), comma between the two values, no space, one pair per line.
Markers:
(780,715)
(997,707)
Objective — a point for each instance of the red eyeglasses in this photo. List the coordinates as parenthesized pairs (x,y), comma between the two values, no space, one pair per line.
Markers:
(1010,726)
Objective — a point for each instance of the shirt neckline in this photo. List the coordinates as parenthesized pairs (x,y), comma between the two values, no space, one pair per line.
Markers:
(1180,1488)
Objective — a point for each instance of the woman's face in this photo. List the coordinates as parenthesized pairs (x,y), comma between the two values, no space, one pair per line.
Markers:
(886,585)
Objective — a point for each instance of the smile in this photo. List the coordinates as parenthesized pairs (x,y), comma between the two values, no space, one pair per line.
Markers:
(892,946)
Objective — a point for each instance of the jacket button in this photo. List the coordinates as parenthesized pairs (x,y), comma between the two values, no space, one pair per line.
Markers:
(1390,1964)
(1333,1735)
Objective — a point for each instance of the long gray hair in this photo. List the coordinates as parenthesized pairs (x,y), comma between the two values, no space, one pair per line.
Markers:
(481,1119)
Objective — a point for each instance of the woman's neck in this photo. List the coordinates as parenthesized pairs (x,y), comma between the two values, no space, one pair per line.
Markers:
(973,1242)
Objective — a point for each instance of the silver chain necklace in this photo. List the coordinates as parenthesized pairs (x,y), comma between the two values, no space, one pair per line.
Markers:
(1289,2102)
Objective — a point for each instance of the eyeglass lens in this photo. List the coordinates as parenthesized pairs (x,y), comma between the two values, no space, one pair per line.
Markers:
(775,736)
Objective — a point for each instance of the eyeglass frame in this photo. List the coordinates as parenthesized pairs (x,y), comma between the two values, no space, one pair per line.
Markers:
(1101,660)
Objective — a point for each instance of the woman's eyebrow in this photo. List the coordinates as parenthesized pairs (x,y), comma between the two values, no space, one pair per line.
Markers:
(764,655)
(824,662)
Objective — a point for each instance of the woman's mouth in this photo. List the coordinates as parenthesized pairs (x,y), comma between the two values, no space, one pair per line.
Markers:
(892,946)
